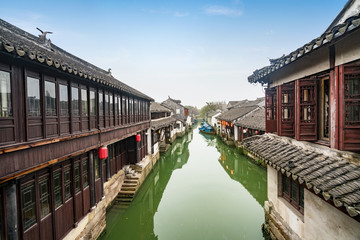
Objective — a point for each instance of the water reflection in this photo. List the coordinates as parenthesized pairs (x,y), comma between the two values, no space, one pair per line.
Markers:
(189,196)
(242,170)
(137,221)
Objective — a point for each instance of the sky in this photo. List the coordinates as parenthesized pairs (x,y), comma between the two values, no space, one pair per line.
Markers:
(196,51)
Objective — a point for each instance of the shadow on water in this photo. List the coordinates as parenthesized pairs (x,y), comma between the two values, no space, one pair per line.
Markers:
(241,169)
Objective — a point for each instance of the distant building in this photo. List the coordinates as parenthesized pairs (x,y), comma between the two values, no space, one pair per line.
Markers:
(181,113)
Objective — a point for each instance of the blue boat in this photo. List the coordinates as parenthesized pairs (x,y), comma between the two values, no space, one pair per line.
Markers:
(206,128)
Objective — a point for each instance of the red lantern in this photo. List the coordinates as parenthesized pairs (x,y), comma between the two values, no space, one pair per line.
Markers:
(138,137)
(256,132)
(103,153)
(232,125)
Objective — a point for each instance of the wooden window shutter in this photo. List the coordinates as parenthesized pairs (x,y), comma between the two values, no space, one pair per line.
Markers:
(350,107)
(270,106)
(286,114)
(306,110)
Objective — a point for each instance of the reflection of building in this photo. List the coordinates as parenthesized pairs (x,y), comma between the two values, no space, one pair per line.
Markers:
(239,168)
(313,107)
(141,213)
(56,111)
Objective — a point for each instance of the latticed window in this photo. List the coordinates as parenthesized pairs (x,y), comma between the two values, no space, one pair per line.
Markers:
(58,189)
(307,103)
(292,192)
(352,98)
(287,103)
(67,183)
(28,205)
(85,175)
(44,197)
(271,104)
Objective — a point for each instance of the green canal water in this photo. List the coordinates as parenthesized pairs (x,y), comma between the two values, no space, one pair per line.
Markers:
(200,189)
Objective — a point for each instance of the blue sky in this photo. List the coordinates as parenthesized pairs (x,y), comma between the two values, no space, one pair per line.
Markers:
(196,51)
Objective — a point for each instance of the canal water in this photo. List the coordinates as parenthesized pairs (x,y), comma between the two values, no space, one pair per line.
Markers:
(200,189)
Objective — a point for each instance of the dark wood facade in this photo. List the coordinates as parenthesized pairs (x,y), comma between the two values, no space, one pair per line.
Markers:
(323,108)
(52,124)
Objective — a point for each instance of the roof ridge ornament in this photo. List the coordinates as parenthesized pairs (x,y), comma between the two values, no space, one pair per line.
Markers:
(43,38)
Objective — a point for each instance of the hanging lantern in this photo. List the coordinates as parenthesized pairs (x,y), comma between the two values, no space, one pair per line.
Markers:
(138,137)
(232,125)
(247,130)
(103,153)
(244,131)
(256,132)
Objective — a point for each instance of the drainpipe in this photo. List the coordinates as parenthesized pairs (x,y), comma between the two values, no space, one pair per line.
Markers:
(92,179)
(11,211)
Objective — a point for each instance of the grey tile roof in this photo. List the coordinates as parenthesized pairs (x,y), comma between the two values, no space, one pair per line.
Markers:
(235,113)
(19,43)
(335,33)
(160,123)
(255,120)
(333,175)
(157,107)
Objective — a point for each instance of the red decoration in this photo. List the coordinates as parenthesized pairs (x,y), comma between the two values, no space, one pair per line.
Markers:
(256,132)
(138,137)
(232,125)
(103,153)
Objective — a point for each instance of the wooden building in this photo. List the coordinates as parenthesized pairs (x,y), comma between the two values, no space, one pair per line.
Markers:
(313,135)
(250,125)
(162,128)
(56,111)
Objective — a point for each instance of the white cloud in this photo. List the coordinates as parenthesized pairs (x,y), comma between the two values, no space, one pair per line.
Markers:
(223,11)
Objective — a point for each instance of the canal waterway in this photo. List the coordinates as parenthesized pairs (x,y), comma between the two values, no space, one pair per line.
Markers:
(200,189)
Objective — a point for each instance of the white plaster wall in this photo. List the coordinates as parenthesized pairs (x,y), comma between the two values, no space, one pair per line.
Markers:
(311,63)
(156,148)
(236,133)
(348,49)
(290,215)
(323,221)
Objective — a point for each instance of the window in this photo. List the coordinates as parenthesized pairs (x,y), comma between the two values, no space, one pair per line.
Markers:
(50,99)
(119,106)
(111,97)
(106,104)
(131,107)
(123,103)
(64,100)
(92,103)
(28,205)
(58,188)
(84,103)
(5,95)
(33,95)
(67,183)
(44,197)
(293,192)
(116,105)
(324,92)
(75,101)
(77,177)
(85,173)
(352,98)
(101,104)
(97,167)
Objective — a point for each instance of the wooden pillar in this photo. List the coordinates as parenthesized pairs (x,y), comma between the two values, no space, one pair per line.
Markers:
(92,179)
(108,175)
(11,211)
(334,100)
(297,109)
(102,177)
(278,110)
